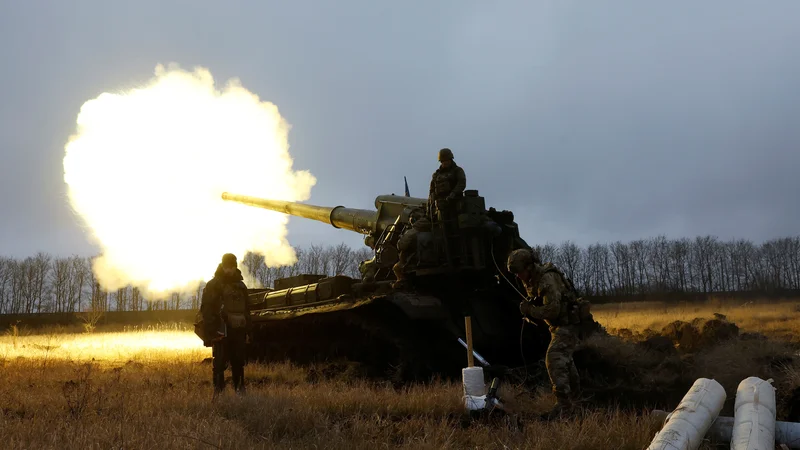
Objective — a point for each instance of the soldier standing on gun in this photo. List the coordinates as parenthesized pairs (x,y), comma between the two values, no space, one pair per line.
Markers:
(447,183)
(226,316)
(556,302)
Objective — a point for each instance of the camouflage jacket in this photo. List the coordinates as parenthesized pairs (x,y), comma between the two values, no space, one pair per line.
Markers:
(225,300)
(549,286)
(406,241)
(448,181)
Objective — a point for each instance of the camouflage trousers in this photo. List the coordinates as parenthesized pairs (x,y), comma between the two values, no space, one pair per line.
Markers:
(560,366)
(400,265)
(229,351)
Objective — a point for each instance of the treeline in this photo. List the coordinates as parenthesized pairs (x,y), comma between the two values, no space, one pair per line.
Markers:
(663,266)
(329,260)
(44,283)
(47,283)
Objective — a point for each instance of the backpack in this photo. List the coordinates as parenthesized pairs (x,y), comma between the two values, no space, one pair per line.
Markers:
(577,310)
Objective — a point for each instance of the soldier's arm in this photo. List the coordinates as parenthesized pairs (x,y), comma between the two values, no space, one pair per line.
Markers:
(210,303)
(209,300)
(461,181)
(247,317)
(430,198)
(405,240)
(550,291)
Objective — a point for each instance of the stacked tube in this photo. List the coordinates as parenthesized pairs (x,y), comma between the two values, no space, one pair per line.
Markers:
(688,424)
(754,416)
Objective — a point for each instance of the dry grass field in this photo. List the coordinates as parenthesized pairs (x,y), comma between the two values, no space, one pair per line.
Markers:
(149,388)
(778,320)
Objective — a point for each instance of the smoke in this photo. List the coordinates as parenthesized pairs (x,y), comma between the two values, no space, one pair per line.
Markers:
(147,167)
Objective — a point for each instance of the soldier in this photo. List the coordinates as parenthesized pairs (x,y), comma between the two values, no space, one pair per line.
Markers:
(226,315)
(368,269)
(447,184)
(407,244)
(555,301)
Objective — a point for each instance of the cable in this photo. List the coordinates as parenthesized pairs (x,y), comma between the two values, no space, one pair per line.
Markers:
(521,347)
(504,275)
(522,351)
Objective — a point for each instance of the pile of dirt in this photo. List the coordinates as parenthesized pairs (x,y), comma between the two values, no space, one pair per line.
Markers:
(689,337)
(619,373)
(654,370)
(700,333)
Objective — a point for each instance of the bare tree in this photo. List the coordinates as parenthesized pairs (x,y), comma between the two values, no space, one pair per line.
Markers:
(623,268)
(702,260)
(41,268)
(658,257)
(313,260)
(251,264)
(547,252)
(356,257)
(340,257)
(60,277)
(678,260)
(17,286)
(792,254)
(198,296)
(6,275)
(595,270)
(175,300)
(121,297)
(136,299)
(77,283)
(569,255)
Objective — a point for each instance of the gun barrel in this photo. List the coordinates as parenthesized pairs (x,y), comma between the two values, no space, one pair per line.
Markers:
(358,220)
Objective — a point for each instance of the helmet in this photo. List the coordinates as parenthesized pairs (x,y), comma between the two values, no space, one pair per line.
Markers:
(416,214)
(228,260)
(445,154)
(521,258)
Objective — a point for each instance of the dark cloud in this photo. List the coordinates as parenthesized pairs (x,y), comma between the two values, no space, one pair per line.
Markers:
(591,121)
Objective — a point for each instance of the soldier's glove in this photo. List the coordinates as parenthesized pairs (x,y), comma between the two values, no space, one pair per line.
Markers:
(218,337)
(525,308)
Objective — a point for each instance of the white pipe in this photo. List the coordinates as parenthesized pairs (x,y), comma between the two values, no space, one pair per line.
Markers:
(474,353)
(786,433)
(754,416)
(688,424)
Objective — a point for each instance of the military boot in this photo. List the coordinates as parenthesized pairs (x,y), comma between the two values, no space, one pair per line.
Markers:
(576,395)
(400,284)
(238,382)
(562,409)
(219,383)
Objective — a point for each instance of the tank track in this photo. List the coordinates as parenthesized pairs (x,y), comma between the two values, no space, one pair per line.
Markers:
(382,341)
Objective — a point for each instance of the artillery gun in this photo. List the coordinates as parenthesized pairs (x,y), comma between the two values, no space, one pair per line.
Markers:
(456,269)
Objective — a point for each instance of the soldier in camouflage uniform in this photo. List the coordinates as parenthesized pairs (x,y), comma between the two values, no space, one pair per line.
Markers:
(226,315)
(407,244)
(553,298)
(368,269)
(447,183)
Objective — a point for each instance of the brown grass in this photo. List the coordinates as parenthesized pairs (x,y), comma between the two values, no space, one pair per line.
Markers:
(147,393)
(777,320)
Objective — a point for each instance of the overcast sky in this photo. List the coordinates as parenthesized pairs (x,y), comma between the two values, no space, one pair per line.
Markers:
(592,121)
